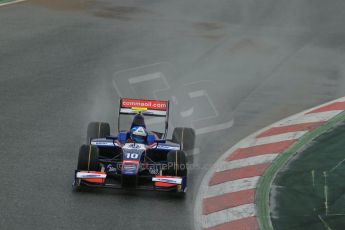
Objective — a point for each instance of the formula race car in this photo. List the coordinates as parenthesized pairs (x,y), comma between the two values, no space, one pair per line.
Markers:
(136,158)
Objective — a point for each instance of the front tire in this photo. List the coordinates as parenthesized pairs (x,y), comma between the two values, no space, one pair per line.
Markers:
(97,130)
(88,158)
(177,164)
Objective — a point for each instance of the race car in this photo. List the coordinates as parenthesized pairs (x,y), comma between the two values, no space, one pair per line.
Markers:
(136,158)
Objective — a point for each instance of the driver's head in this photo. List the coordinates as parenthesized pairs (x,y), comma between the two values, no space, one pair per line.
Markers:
(138,134)
(138,120)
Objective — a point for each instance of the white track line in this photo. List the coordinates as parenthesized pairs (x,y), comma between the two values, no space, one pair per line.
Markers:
(267,158)
(214,128)
(143,78)
(306,118)
(273,139)
(232,186)
(12,2)
(228,215)
(335,167)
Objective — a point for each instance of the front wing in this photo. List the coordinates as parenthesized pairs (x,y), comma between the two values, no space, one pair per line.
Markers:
(102,180)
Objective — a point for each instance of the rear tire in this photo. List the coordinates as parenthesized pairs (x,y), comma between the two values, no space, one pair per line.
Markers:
(88,158)
(177,164)
(185,137)
(97,130)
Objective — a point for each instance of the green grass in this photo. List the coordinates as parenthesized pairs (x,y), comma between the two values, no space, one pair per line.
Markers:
(315,179)
(5,1)
(263,192)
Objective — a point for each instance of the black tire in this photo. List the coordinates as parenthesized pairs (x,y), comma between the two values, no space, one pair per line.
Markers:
(177,164)
(185,137)
(88,158)
(97,130)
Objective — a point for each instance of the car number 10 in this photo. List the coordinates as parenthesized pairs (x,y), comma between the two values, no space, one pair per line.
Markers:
(132,155)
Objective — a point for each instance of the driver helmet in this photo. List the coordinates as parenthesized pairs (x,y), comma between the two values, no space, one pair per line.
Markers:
(138,134)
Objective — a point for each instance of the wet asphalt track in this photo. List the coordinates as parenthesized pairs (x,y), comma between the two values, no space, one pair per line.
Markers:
(243,64)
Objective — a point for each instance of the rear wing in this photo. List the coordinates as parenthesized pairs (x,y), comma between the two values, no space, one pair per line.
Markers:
(155,108)
(147,107)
